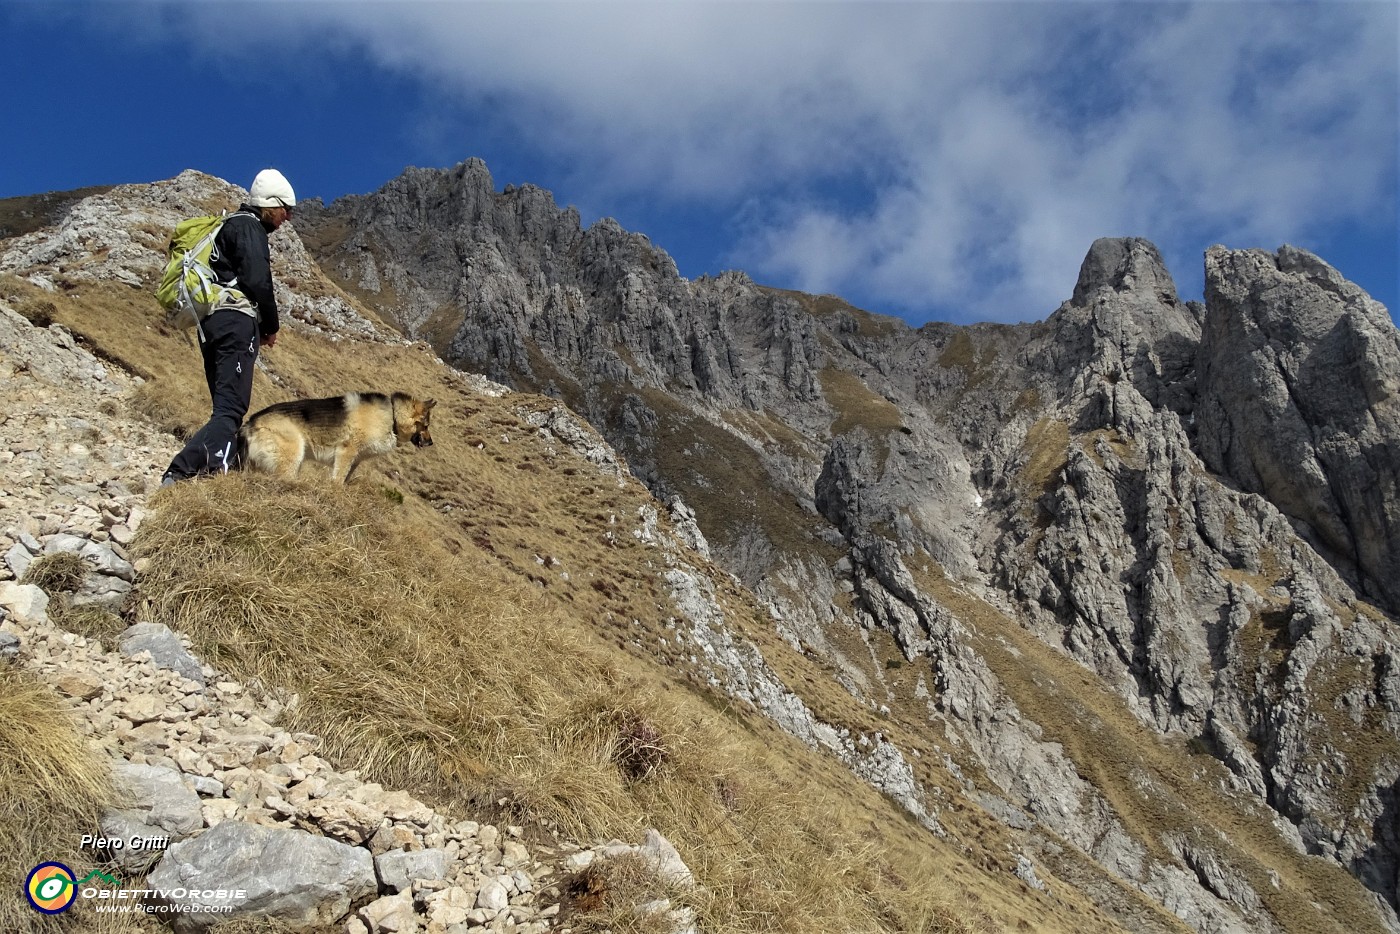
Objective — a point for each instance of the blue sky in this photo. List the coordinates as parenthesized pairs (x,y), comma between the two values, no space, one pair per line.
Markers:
(949,161)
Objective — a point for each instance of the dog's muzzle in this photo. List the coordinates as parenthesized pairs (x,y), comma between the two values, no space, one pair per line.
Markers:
(421,440)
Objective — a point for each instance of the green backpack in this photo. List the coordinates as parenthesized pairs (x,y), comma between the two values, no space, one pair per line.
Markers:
(189,291)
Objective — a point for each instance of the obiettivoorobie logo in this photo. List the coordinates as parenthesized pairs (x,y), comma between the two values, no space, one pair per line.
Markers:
(50,888)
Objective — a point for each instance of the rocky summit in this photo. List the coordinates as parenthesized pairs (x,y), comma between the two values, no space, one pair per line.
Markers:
(1119,587)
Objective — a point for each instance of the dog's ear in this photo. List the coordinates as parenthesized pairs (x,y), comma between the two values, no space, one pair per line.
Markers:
(429,404)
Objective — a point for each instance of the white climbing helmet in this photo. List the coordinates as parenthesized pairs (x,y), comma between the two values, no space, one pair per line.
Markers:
(271,190)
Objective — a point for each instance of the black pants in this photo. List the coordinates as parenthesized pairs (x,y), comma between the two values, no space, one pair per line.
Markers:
(230,349)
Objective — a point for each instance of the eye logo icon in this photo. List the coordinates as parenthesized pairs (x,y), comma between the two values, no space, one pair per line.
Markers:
(50,888)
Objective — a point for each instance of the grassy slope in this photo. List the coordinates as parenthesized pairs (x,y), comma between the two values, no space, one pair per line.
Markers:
(569,662)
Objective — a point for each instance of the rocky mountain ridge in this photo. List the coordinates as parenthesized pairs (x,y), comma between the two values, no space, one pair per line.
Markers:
(1009,543)
(1198,502)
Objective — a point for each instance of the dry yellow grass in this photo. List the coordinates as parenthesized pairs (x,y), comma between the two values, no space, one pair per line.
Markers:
(857,405)
(56,573)
(1047,450)
(439,673)
(53,789)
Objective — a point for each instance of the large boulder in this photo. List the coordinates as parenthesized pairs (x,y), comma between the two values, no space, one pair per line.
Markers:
(261,872)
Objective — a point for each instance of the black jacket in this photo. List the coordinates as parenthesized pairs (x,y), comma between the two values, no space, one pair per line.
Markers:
(241,256)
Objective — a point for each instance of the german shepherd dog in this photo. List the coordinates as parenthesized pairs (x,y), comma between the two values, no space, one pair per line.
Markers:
(341,431)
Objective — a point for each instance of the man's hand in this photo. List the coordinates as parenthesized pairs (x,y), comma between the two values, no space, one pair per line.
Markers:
(268,340)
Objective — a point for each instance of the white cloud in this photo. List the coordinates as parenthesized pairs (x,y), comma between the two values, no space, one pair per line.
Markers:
(1229,125)
(956,155)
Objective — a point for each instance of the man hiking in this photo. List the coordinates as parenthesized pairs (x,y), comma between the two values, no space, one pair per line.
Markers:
(244,319)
